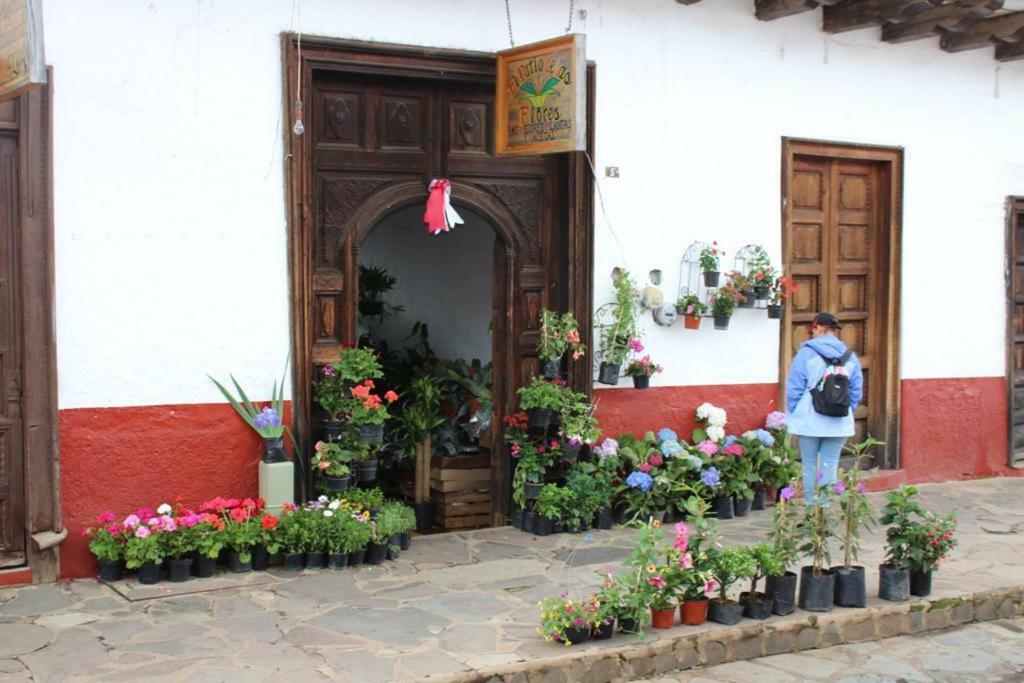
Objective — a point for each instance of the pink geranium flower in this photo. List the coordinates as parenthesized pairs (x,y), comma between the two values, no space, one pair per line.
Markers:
(130,521)
(141,532)
(107,518)
(645,467)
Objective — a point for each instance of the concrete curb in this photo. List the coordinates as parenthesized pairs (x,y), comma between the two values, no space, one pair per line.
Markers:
(683,648)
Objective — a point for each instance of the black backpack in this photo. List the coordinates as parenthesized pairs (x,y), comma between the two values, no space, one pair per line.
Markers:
(831,395)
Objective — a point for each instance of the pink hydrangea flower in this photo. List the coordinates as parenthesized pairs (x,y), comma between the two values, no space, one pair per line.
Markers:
(708,447)
(645,467)
(656,459)
(734,449)
(775,420)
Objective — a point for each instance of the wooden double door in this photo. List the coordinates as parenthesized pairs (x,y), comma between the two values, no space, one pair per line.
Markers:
(381,122)
(1015,327)
(841,249)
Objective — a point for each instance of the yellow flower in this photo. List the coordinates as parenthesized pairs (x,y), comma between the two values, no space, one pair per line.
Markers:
(656,523)
(651,569)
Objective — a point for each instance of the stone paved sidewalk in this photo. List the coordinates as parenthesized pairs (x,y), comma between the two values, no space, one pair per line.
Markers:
(991,651)
(455,606)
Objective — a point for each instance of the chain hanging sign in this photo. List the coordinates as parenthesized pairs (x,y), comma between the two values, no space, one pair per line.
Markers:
(22,61)
(541,99)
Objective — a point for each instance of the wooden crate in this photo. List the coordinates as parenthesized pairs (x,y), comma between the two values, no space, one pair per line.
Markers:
(461,489)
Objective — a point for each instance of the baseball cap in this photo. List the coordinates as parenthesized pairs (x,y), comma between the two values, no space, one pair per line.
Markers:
(826,320)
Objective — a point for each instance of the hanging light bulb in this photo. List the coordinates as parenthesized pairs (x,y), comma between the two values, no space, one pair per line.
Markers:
(298,128)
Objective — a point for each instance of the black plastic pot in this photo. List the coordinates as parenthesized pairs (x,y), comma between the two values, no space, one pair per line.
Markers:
(148,573)
(748,294)
(357,557)
(529,520)
(817,593)
(542,525)
(722,507)
(293,562)
(921,584)
(337,560)
(179,569)
(628,625)
(337,484)
(376,552)
(371,307)
(577,635)
(332,429)
(782,591)
(531,490)
(893,583)
(760,607)
(260,558)
(603,631)
(405,540)
(641,381)
(236,565)
(761,292)
(741,506)
(724,612)
(658,515)
(366,470)
(571,451)
(604,518)
(758,502)
(393,548)
(722,322)
(273,449)
(711,278)
(203,567)
(774,311)
(372,433)
(558,527)
(316,560)
(539,418)
(517,519)
(572,526)
(424,515)
(111,570)
(851,587)
(551,369)
(608,374)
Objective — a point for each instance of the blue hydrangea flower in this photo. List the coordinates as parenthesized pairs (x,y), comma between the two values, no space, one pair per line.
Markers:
(765,437)
(730,440)
(693,461)
(666,434)
(268,417)
(710,477)
(608,448)
(640,480)
(670,448)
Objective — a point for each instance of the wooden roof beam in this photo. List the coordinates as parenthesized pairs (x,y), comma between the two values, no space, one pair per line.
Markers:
(931,22)
(849,15)
(1008,52)
(767,10)
(1007,27)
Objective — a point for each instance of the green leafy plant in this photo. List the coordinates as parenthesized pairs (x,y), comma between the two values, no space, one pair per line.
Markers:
(559,334)
(210,540)
(729,566)
(759,269)
(855,512)
(389,521)
(588,495)
(556,502)
(374,283)
(369,499)
(709,257)
(140,549)
(768,561)
(541,394)
(651,576)
(916,539)
(690,304)
(725,300)
(106,541)
(331,458)
(934,538)
(784,531)
(817,529)
(616,336)
(346,532)
(356,365)
(289,533)
(579,426)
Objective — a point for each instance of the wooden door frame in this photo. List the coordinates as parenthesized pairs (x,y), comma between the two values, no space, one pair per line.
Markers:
(1014,208)
(38,379)
(891,161)
(433,65)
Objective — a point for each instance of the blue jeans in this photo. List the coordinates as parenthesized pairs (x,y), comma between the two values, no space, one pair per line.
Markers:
(819,453)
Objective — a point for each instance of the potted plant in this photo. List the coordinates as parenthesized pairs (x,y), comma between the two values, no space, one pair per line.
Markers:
(711,480)
(540,399)
(355,536)
(374,283)
(608,606)
(143,550)
(735,460)
(854,514)
(781,586)
(210,542)
(729,566)
(691,308)
(934,539)
(419,418)
(106,543)
(691,556)
(528,479)
(619,336)
(559,334)
(179,539)
(742,284)
(780,290)
(318,519)
(242,533)
(894,573)
(368,411)
(709,263)
(761,275)
(407,522)
(817,581)
(579,426)
(388,527)
(330,460)
(723,303)
(289,536)
(550,504)
(567,621)
(767,561)
(267,544)
(377,549)
(267,422)
(330,393)
(641,369)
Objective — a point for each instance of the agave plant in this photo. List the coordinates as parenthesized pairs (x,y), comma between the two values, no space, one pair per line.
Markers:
(268,421)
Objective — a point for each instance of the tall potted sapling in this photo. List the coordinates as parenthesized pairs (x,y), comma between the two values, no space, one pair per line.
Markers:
(781,586)
(767,561)
(619,336)
(729,566)
(641,369)
(817,581)
(419,418)
(854,514)
(709,263)
(691,308)
(559,334)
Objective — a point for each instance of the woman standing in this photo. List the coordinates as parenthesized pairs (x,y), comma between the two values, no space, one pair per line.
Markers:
(821,436)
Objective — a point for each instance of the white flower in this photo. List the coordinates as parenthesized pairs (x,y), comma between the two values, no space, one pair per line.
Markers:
(749,434)
(322,499)
(328,513)
(164,509)
(716,433)
(334,504)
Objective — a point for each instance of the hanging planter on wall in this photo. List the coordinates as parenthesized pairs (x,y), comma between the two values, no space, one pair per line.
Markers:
(609,374)
(722,322)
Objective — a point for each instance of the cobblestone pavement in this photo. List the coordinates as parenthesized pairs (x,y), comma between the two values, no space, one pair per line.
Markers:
(454,603)
(992,651)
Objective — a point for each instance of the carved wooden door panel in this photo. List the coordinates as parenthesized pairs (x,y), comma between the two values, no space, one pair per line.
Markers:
(835,255)
(12,490)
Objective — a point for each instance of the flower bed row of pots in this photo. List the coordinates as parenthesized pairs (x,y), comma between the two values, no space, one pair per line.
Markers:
(176,543)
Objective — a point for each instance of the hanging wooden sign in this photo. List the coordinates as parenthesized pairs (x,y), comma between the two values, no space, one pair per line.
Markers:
(22,60)
(540,103)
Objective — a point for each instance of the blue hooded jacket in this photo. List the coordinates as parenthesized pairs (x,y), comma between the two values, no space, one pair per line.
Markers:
(807,369)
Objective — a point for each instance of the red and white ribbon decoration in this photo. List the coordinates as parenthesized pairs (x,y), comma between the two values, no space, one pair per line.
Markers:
(440,216)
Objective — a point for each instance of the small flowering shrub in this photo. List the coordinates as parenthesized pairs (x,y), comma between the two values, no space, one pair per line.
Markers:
(691,304)
(559,334)
(783,534)
(142,543)
(935,539)
(916,538)
(817,529)
(729,566)
(366,407)
(559,615)
(542,395)
(107,540)
(643,367)
(331,458)
(709,257)
(579,426)
(713,420)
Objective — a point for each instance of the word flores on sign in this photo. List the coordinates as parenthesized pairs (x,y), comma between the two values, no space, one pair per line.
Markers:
(540,103)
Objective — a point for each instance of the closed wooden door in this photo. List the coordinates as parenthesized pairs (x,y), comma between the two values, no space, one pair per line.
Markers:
(837,242)
(12,490)
(1015,328)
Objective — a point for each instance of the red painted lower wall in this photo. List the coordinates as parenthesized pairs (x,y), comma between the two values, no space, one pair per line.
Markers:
(121,458)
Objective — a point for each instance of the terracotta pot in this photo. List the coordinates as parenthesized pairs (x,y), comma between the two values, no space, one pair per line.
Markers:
(694,612)
(663,618)
(691,322)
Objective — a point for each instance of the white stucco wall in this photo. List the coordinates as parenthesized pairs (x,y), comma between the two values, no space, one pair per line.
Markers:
(170,230)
